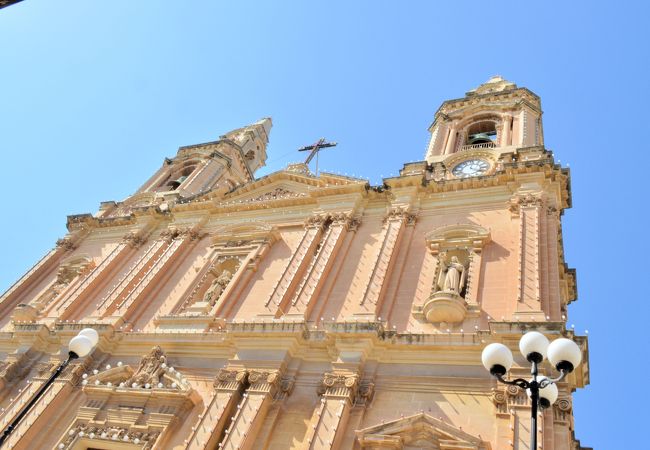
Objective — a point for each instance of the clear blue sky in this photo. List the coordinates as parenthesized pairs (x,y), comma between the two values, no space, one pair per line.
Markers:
(95,94)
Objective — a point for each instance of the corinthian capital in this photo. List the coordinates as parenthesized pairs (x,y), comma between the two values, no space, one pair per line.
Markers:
(400,213)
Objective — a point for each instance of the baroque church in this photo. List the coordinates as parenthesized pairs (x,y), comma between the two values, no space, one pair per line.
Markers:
(304,311)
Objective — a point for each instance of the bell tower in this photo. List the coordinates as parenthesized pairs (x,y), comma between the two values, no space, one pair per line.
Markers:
(496,115)
(214,168)
(228,162)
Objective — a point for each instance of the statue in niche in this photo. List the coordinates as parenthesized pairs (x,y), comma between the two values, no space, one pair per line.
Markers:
(217,287)
(453,275)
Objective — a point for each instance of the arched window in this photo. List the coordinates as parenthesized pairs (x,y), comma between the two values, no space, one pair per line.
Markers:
(176,178)
(483,132)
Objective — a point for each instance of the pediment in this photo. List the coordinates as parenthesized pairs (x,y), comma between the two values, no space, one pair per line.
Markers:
(288,184)
(462,235)
(152,373)
(419,431)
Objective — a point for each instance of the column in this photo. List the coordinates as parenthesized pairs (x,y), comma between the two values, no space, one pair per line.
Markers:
(529,305)
(116,257)
(394,224)
(12,296)
(297,264)
(313,280)
(229,385)
(327,427)
(507,134)
(251,411)
(451,142)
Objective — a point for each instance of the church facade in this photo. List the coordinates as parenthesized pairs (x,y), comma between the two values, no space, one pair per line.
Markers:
(297,311)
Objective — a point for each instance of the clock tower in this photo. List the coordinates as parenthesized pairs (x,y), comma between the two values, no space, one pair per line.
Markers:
(497,117)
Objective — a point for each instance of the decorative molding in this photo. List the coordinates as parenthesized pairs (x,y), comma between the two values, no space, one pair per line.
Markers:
(279,193)
(527,200)
(400,213)
(66,243)
(316,221)
(418,431)
(563,410)
(465,236)
(230,379)
(341,386)
(105,435)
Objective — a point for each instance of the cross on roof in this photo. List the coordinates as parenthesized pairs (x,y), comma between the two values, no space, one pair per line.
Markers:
(314,149)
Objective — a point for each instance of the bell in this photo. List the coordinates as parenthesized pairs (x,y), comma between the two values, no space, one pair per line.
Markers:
(479,138)
(174,184)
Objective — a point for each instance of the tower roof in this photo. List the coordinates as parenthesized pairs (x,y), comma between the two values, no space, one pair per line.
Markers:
(495,84)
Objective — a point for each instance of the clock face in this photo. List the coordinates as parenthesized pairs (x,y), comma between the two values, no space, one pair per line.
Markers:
(471,168)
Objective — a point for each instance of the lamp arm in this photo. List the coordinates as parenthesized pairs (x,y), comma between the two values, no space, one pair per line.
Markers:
(546,382)
(524,384)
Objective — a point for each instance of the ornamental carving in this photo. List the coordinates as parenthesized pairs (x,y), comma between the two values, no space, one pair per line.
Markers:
(174,232)
(262,380)
(340,217)
(151,368)
(276,194)
(69,270)
(230,379)
(354,223)
(524,201)
(365,392)
(153,374)
(316,221)
(239,243)
(562,410)
(339,386)
(418,431)
(135,240)
(285,387)
(104,435)
(400,213)
(217,287)
(72,268)
(66,243)
(211,286)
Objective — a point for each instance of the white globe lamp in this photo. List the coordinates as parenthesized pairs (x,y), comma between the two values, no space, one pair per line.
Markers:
(564,354)
(497,359)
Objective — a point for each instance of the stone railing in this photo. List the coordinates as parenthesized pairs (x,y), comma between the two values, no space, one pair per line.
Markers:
(477,146)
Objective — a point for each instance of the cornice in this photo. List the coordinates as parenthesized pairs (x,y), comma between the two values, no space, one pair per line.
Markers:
(314,343)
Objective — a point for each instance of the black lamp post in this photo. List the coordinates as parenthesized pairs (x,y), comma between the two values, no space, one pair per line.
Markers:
(80,345)
(563,353)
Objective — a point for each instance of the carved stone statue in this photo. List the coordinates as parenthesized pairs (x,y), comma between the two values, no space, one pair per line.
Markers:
(150,369)
(453,276)
(217,287)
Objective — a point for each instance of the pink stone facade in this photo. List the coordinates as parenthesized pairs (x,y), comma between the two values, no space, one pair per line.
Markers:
(298,311)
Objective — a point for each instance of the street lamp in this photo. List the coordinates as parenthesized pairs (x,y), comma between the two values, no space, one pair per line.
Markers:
(563,353)
(79,346)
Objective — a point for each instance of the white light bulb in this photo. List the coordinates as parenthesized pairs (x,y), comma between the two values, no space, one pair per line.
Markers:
(495,355)
(534,344)
(564,354)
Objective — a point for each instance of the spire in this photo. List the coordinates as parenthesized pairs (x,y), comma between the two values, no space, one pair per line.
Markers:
(252,140)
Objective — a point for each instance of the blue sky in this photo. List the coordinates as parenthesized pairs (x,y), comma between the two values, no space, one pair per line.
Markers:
(95,94)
